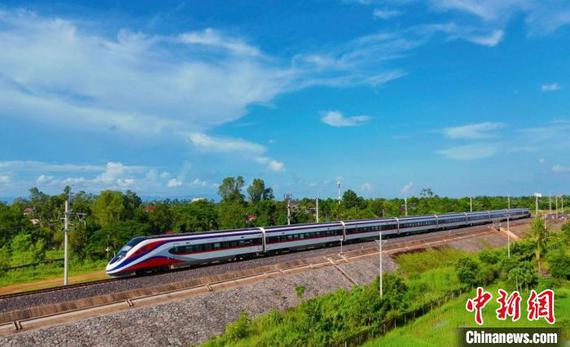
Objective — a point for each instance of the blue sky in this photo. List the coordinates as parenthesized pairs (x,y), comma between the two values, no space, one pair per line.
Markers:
(167,98)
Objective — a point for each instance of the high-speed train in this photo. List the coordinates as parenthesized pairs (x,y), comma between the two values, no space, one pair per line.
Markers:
(161,252)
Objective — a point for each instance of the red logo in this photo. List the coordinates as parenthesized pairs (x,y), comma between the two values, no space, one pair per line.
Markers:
(538,305)
(509,305)
(541,306)
(478,303)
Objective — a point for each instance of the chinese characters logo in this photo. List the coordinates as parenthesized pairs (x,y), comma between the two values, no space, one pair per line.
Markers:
(539,305)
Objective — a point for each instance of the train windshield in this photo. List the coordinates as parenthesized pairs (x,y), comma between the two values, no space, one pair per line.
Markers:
(123,251)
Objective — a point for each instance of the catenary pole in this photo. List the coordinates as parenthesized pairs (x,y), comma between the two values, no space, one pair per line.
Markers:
(65,240)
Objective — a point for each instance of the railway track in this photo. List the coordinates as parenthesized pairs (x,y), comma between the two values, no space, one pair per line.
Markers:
(33,315)
(132,278)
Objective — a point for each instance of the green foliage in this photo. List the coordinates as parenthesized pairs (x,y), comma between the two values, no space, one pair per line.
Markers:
(240,328)
(351,200)
(300,291)
(491,256)
(26,251)
(540,235)
(200,215)
(413,263)
(257,191)
(232,215)
(108,207)
(468,271)
(523,275)
(559,264)
(230,189)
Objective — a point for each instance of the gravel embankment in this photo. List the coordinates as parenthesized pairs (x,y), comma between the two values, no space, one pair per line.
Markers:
(185,322)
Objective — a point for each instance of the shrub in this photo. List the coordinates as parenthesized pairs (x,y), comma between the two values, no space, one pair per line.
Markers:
(559,265)
(467,271)
(523,275)
(300,291)
(238,329)
(490,256)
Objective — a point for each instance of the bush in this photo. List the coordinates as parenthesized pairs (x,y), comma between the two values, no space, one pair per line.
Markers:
(487,274)
(300,291)
(523,275)
(467,271)
(559,265)
(490,256)
(238,329)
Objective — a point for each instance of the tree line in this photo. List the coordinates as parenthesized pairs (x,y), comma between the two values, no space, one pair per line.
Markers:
(30,226)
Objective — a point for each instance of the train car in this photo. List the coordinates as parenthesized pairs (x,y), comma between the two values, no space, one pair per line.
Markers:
(151,253)
(142,254)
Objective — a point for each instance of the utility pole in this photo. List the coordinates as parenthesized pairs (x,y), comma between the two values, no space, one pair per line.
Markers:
(380,269)
(509,203)
(288,198)
(471,203)
(556,201)
(509,233)
(406,206)
(65,231)
(536,196)
(550,203)
(338,187)
(317,207)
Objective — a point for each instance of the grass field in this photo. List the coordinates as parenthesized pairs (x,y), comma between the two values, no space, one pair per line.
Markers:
(48,271)
(438,327)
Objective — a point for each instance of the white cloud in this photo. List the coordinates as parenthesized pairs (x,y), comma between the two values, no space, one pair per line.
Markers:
(213,38)
(224,144)
(173,183)
(385,13)
(470,152)
(4,179)
(541,17)
(367,187)
(490,40)
(560,169)
(272,164)
(44,179)
(251,150)
(473,131)
(407,188)
(203,183)
(134,82)
(336,119)
(552,87)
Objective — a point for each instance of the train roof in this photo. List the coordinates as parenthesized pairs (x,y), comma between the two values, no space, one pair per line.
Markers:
(314,225)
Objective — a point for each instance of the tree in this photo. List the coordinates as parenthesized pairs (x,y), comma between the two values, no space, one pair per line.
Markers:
(196,216)
(540,235)
(230,189)
(351,200)
(108,207)
(427,193)
(258,192)
(232,215)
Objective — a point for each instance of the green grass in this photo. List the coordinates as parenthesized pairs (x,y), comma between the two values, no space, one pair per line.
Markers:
(439,327)
(47,271)
(334,316)
(411,264)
